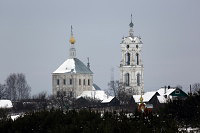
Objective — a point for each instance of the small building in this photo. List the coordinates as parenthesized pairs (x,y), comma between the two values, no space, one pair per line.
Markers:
(94,94)
(83,102)
(91,98)
(170,94)
(110,101)
(149,99)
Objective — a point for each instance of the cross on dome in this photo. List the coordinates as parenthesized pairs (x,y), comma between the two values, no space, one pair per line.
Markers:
(72,39)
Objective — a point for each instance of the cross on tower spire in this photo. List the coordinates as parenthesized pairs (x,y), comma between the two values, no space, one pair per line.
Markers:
(131,27)
(131,24)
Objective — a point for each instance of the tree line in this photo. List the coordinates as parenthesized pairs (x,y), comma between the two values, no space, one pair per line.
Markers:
(88,121)
(171,117)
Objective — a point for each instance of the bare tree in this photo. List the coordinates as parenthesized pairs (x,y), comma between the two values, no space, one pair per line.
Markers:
(17,87)
(42,100)
(23,89)
(11,87)
(2,91)
(113,87)
(123,95)
(62,101)
(196,88)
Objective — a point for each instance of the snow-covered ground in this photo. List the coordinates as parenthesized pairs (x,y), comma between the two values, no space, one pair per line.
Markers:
(14,117)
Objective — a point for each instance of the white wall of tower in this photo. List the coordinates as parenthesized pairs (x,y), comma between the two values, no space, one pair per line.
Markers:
(132,45)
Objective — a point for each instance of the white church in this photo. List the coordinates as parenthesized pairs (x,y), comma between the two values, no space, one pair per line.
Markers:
(73,78)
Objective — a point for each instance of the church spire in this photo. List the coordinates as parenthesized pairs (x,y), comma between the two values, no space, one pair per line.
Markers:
(131,27)
(72,50)
(131,24)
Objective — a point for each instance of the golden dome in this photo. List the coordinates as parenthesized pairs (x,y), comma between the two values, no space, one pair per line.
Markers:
(72,40)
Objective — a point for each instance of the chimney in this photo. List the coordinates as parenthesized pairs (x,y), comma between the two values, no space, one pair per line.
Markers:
(190,90)
(168,87)
(165,90)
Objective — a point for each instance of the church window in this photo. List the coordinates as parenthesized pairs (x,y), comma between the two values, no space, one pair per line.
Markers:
(64,81)
(127,46)
(70,81)
(137,59)
(58,93)
(70,94)
(127,58)
(127,79)
(64,93)
(79,81)
(84,82)
(137,46)
(88,81)
(58,81)
(138,79)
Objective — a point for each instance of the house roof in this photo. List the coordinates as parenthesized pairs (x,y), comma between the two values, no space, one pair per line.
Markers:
(146,97)
(162,99)
(73,65)
(5,104)
(107,100)
(96,94)
(166,94)
(161,91)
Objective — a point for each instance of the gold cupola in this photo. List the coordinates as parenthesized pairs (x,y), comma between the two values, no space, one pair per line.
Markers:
(72,39)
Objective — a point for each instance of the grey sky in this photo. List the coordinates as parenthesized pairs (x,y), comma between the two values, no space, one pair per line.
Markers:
(34,38)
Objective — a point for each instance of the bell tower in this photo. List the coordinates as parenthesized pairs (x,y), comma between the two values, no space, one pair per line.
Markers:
(131,66)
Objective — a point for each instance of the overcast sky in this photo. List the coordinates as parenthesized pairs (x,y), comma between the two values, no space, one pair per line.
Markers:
(34,38)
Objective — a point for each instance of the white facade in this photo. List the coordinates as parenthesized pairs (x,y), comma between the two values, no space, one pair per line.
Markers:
(131,66)
(71,84)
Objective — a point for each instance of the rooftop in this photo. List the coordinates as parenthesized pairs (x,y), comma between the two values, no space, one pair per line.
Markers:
(73,65)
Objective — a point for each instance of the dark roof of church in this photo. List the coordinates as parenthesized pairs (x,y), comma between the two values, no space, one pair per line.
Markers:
(96,87)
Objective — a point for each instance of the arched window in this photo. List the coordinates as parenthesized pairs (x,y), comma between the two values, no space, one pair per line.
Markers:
(138,79)
(70,81)
(127,79)
(137,59)
(127,46)
(64,81)
(79,81)
(84,82)
(127,58)
(58,81)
